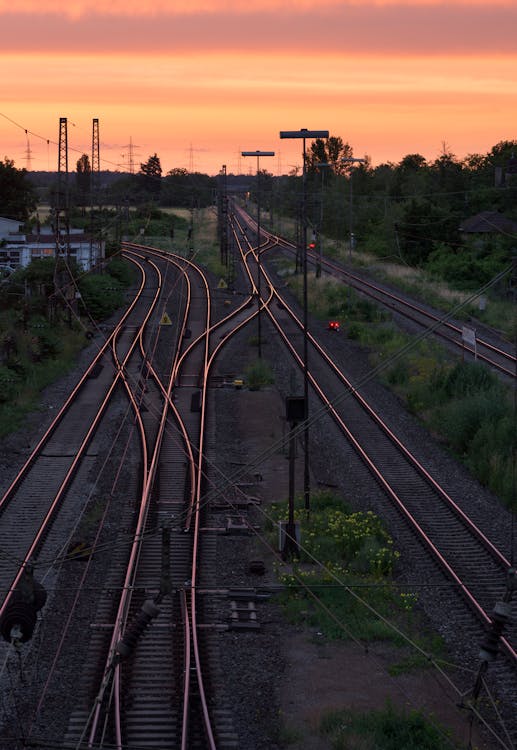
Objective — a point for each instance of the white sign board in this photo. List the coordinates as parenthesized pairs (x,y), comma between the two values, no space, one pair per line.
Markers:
(468,336)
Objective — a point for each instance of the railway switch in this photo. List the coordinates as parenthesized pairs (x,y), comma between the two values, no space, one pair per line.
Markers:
(127,643)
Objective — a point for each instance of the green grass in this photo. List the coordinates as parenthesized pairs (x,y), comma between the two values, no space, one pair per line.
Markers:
(356,553)
(464,404)
(24,396)
(415,661)
(39,352)
(259,374)
(386,729)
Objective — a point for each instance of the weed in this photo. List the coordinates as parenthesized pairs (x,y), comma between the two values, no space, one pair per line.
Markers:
(353,548)
(389,729)
(259,374)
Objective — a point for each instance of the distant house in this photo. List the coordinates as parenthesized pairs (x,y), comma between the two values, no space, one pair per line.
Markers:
(9,226)
(18,250)
(488,222)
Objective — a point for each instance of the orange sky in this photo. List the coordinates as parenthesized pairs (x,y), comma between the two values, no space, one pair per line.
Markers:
(200,81)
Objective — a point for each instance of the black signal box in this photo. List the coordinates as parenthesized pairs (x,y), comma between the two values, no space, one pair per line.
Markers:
(295,408)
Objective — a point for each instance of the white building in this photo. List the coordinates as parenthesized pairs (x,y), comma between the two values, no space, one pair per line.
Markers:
(18,250)
(9,226)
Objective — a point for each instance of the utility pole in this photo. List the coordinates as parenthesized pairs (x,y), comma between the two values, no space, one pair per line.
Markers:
(28,153)
(62,205)
(94,185)
(222,224)
(62,179)
(295,411)
(303,134)
(352,160)
(258,154)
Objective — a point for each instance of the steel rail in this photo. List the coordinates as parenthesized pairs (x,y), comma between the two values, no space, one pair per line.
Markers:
(148,474)
(377,293)
(511,652)
(396,441)
(186,656)
(370,463)
(191,612)
(125,599)
(54,506)
(196,531)
(167,393)
(71,398)
(121,368)
(190,623)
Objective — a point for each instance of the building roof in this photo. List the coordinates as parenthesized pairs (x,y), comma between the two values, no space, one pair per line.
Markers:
(14,223)
(488,222)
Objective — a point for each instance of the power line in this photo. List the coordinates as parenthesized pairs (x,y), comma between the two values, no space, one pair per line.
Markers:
(49,141)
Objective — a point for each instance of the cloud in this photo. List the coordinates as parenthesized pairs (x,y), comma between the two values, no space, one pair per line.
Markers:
(344,28)
(84,8)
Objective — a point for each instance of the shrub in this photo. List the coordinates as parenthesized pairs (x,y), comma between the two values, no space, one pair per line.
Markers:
(259,374)
(9,383)
(352,546)
(461,419)
(121,270)
(389,729)
(101,295)
(465,379)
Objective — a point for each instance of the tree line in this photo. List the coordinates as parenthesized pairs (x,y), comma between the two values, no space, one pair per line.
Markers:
(410,211)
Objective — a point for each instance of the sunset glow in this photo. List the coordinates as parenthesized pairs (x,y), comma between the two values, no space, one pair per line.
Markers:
(198,82)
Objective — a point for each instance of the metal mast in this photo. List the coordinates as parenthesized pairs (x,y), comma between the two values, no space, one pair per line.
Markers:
(131,156)
(94,184)
(62,181)
(96,160)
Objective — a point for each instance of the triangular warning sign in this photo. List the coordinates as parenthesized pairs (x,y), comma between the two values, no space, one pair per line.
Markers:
(165,320)
(222,284)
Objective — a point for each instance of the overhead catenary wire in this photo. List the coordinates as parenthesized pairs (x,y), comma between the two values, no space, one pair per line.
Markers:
(385,364)
(49,141)
(366,648)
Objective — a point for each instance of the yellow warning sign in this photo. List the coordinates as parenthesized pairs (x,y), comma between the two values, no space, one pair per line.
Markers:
(222,284)
(165,320)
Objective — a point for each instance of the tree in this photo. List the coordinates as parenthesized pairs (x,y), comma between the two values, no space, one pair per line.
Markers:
(332,152)
(152,167)
(151,175)
(422,226)
(83,179)
(177,172)
(17,195)
(411,176)
(502,152)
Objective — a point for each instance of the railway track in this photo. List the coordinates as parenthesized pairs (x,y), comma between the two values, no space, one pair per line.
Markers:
(55,470)
(152,675)
(160,686)
(488,347)
(456,548)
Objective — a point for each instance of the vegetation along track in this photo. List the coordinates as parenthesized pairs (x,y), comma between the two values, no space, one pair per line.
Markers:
(455,545)
(489,347)
(55,469)
(127,696)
